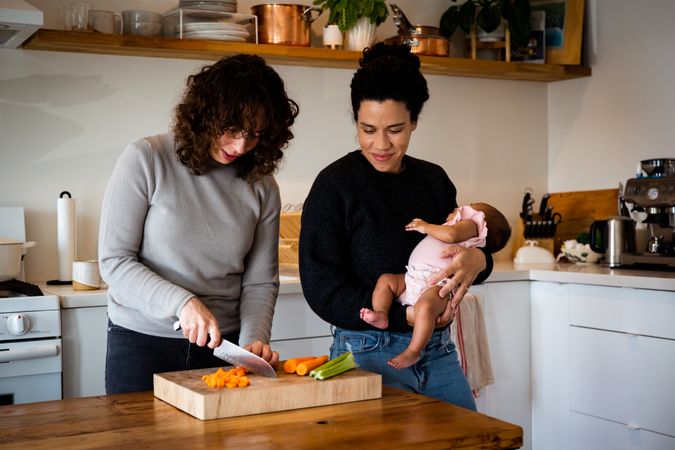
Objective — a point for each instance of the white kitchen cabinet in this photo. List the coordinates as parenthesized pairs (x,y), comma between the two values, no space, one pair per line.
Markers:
(603,361)
(623,361)
(84,334)
(506,308)
(592,433)
(550,322)
(297,330)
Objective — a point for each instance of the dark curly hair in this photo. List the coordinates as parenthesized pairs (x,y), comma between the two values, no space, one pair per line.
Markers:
(499,230)
(389,72)
(228,95)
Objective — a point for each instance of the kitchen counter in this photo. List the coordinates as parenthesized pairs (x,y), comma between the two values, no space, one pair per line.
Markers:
(591,274)
(139,420)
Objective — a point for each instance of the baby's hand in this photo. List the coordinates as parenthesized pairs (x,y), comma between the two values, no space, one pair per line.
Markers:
(417,225)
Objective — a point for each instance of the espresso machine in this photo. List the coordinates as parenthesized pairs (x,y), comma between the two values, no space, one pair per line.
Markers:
(653,193)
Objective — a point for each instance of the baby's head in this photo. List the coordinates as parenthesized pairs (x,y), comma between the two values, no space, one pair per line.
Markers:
(498,227)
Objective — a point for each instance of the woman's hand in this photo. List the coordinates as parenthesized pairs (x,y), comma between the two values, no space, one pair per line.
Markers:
(264,351)
(198,324)
(466,264)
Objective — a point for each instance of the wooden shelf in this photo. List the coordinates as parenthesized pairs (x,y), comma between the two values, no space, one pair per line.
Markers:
(164,47)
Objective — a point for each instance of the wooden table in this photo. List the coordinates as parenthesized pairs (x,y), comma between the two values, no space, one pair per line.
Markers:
(139,420)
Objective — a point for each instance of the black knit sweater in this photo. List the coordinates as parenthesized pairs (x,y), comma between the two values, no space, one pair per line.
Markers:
(353,230)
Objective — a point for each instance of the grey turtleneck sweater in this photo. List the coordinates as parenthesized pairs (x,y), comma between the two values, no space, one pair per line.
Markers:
(167,235)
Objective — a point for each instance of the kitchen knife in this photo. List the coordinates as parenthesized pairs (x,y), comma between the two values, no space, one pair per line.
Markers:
(237,356)
(543,205)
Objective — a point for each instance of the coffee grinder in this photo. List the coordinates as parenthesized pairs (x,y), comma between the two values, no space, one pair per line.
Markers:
(654,194)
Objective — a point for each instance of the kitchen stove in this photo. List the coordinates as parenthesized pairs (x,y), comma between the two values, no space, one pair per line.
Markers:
(30,332)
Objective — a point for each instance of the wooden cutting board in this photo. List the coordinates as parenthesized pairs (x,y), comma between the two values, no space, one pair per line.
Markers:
(187,391)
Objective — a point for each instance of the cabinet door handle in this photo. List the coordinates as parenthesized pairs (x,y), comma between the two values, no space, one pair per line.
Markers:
(632,426)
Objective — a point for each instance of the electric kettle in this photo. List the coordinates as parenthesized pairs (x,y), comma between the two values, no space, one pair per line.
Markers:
(613,237)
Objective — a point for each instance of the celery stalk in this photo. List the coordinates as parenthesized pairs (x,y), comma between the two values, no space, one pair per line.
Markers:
(345,364)
(330,363)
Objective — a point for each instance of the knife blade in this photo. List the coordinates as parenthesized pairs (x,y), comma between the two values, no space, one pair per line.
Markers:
(237,356)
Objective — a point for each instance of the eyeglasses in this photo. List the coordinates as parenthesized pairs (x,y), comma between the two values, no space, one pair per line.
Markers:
(250,135)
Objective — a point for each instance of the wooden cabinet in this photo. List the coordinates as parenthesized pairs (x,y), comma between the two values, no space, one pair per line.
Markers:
(130,45)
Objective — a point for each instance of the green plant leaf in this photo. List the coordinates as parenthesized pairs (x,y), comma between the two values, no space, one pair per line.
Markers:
(449,21)
(467,14)
(489,18)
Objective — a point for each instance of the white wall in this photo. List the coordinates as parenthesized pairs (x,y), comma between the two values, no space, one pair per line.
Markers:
(65,118)
(601,127)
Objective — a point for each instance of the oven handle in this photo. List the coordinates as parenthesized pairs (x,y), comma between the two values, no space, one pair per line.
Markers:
(42,351)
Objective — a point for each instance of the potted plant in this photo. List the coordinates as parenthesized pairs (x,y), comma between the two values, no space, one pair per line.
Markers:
(357,19)
(487,15)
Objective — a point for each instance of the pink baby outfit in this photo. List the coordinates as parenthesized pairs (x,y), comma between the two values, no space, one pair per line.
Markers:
(425,260)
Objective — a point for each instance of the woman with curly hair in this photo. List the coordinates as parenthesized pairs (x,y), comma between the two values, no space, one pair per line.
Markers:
(189,227)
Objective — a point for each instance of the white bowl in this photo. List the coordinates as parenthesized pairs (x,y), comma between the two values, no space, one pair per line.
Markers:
(531,253)
(142,28)
(579,253)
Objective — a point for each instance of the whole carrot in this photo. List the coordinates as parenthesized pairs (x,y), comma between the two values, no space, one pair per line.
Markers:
(291,364)
(304,367)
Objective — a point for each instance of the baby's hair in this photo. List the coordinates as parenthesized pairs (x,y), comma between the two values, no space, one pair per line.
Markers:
(499,230)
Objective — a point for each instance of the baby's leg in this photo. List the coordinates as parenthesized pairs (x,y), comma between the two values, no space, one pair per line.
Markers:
(388,287)
(427,309)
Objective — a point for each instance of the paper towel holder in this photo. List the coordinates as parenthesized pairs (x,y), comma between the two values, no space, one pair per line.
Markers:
(58,282)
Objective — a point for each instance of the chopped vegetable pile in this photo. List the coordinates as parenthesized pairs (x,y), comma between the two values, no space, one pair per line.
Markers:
(235,377)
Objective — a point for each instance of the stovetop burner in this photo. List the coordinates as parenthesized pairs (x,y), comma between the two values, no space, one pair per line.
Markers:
(17,288)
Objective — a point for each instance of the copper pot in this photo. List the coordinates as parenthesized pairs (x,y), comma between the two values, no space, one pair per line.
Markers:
(285,24)
(422,39)
(422,44)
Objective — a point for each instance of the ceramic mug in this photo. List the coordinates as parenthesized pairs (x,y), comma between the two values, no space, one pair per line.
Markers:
(86,275)
(104,21)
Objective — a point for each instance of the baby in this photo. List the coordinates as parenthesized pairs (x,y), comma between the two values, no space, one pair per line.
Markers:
(475,225)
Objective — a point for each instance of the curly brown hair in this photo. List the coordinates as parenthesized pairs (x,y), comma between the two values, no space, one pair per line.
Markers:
(229,94)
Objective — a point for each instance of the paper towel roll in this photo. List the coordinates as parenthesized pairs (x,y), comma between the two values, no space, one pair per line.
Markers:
(66,234)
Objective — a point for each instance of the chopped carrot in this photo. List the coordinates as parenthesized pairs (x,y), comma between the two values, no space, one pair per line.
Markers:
(304,367)
(232,378)
(291,364)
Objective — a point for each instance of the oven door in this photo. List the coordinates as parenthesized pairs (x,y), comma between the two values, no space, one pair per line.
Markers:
(30,371)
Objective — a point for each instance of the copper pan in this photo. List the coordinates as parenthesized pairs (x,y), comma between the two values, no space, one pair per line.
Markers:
(285,24)
(422,44)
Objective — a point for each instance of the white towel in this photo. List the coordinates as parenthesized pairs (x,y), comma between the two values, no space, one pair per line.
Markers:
(468,334)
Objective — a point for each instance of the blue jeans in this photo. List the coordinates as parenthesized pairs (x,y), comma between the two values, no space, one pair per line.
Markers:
(132,358)
(437,373)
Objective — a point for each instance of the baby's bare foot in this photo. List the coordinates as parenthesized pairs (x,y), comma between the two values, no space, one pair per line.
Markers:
(405,359)
(376,319)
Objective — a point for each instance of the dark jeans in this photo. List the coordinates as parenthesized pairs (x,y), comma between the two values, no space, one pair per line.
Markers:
(132,358)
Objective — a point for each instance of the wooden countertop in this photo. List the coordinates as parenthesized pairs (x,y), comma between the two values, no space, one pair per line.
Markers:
(139,420)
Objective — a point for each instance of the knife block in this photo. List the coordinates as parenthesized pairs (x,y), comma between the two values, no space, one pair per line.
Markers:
(519,239)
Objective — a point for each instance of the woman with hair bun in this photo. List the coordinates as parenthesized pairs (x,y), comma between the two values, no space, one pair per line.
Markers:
(190,225)
(354,230)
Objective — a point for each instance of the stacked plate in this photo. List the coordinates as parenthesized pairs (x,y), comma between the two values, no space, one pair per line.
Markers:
(220,31)
(206,5)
